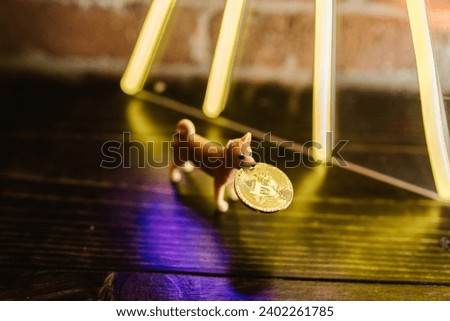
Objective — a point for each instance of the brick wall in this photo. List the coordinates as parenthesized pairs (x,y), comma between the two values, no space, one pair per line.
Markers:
(76,37)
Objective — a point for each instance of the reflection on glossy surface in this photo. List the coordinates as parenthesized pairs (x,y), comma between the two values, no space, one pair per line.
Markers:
(340,236)
(345,236)
(311,183)
(126,286)
(140,123)
(385,131)
(180,237)
(386,136)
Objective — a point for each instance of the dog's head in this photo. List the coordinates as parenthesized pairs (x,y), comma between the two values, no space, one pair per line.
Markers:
(239,152)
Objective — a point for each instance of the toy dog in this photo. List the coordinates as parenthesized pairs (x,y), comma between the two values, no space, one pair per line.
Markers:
(191,150)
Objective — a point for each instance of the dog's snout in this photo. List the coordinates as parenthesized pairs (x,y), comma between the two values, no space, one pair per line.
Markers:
(247,161)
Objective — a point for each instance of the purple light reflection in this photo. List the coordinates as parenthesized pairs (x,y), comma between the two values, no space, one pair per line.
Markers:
(140,286)
(177,239)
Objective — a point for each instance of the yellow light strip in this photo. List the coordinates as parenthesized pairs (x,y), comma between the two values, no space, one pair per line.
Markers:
(324,78)
(433,112)
(222,64)
(146,46)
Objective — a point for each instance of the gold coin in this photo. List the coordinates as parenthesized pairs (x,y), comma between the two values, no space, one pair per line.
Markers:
(264,188)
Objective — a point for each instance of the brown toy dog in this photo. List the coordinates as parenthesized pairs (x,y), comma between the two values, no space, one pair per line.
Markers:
(194,151)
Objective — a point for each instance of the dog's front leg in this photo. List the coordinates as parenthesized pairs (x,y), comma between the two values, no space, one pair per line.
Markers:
(232,191)
(219,191)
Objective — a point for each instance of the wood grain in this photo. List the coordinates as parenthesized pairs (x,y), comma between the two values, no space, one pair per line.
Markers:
(56,285)
(21,285)
(345,235)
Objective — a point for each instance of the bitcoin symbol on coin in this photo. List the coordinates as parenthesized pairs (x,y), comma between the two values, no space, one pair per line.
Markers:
(264,188)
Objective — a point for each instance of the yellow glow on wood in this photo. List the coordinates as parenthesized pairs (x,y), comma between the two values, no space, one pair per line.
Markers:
(222,64)
(146,46)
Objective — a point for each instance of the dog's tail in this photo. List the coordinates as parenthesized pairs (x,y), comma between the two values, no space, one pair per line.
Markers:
(185,128)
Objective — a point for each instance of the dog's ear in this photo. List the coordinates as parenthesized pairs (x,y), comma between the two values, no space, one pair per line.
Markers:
(247,138)
(230,144)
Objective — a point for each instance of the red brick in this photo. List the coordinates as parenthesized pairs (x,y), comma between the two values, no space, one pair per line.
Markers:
(374,43)
(272,39)
(176,47)
(373,35)
(68,30)
(438,11)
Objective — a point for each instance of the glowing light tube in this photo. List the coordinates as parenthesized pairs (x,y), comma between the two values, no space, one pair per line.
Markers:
(433,112)
(146,46)
(324,79)
(222,64)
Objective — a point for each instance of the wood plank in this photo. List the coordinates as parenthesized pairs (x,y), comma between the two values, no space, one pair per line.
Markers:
(60,210)
(145,286)
(48,285)
(139,225)
(152,286)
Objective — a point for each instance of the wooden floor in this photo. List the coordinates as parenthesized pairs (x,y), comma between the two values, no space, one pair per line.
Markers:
(72,230)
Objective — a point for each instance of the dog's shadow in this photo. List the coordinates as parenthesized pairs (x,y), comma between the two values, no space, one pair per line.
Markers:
(218,264)
(246,275)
